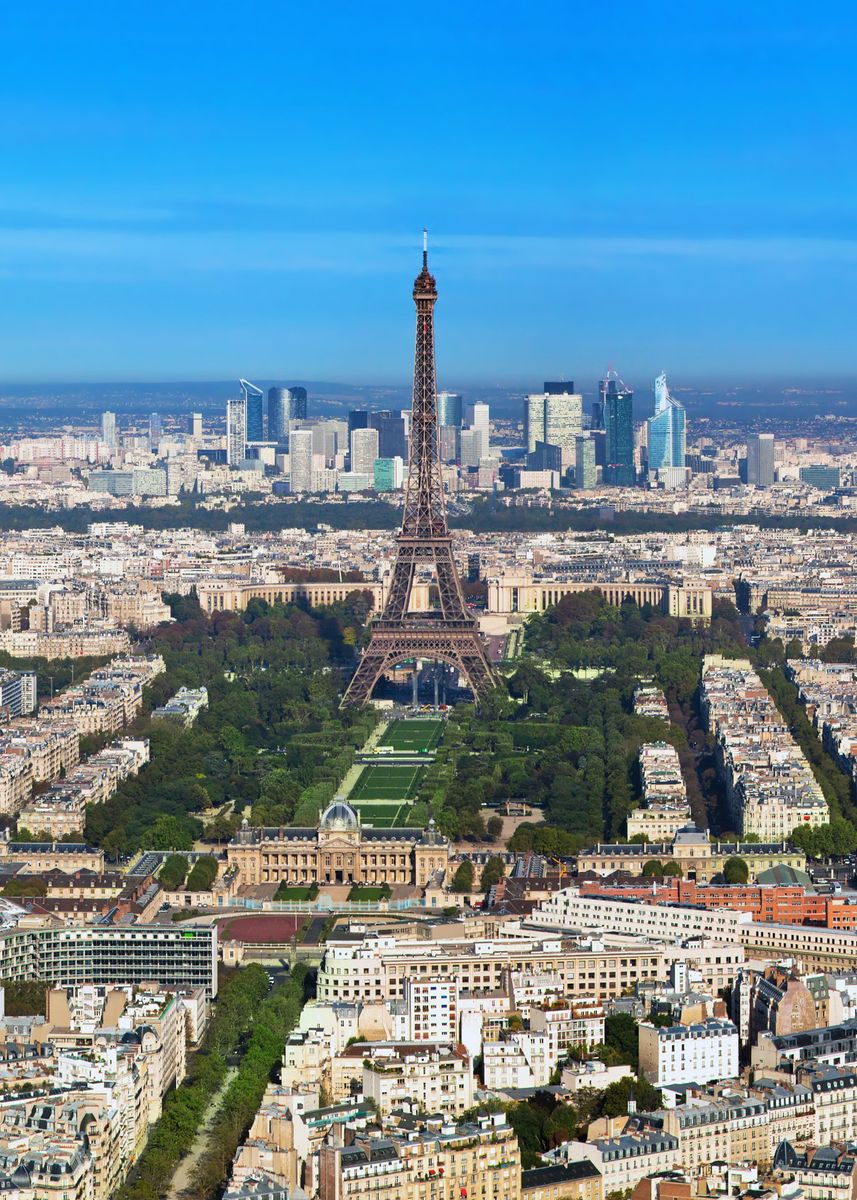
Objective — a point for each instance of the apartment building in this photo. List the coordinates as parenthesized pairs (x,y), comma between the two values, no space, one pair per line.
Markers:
(433,1078)
(665,809)
(698,1053)
(624,1159)
(571,910)
(770,787)
(368,967)
(476,1161)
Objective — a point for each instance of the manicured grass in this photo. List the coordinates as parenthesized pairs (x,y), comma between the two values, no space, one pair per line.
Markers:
(413,736)
(386,781)
(384,816)
(369,893)
(296,892)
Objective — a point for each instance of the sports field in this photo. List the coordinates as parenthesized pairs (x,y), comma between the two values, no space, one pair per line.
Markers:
(387,781)
(413,737)
(383,816)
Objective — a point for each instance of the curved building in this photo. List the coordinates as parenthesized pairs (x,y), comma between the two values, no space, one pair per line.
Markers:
(284,405)
(666,429)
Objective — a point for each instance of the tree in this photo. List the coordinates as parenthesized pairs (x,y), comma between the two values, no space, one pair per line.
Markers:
(169,833)
(492,872)
(735,870)
(494,827)
(173,872)
(463,879)
(673,869)
(653,869)
(622,1035)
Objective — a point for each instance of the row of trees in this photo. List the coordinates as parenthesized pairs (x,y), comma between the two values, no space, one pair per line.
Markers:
(272,738)
(238,1003)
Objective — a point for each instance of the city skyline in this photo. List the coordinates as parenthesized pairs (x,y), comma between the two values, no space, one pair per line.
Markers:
(697,216)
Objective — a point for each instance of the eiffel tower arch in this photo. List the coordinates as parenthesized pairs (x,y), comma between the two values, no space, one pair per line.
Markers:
(450,633)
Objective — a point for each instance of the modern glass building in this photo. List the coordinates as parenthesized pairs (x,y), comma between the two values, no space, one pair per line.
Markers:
(110,954)
(667,434)
(389,474)
(585,475)
(284,405)
(449,410)
(617,411)
(534,420)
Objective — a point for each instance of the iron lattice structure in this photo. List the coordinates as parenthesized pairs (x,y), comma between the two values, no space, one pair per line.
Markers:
(449,634)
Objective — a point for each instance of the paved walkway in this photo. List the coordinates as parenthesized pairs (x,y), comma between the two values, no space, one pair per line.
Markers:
(186,1169)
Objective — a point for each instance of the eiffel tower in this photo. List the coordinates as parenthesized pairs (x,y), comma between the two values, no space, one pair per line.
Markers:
(449,634)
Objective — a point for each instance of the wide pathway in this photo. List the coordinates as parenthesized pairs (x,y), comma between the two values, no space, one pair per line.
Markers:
(185,1171)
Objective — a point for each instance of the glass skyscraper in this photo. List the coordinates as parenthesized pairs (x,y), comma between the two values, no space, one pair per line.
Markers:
(666,429)
(618,414)
(284,405)
(449,410)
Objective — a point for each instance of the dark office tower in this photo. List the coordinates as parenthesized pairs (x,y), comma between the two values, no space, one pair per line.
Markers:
(392,442)
(545,457)
(284,405)
(358,418)
(474,568)
(596,421)
(154,431)
(617,401)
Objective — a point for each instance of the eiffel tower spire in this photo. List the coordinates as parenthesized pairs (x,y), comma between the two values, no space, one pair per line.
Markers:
(451,634)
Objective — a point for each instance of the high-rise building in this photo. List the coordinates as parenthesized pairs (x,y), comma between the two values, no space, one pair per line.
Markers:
(563,419)
(449,410)
(450,439)
(596,420)
(155,430)
(301,460)
(358,418)
(585,475)
(109,430)
(666,429)
(534,420)
(389,474)
(364,451)
(194,426)
(545,458)
(254,411)
(760,460)
(479,418)
(285,405)
(471,441)
(392,442)
(616,403)
(236,432)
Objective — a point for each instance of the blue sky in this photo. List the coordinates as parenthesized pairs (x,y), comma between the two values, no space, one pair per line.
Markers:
(208,190)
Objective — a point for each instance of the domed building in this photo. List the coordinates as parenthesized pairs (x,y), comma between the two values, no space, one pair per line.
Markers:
(340,850)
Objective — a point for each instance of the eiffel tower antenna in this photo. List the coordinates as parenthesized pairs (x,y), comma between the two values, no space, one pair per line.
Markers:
(450,634)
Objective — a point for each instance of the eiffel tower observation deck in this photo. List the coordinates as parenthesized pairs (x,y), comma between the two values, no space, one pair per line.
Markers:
(449,633)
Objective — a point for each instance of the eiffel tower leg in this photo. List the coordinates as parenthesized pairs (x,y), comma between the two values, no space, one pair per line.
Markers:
(369,671)
(448,586)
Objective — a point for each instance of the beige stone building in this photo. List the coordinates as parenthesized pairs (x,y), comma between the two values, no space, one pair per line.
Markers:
(341,850)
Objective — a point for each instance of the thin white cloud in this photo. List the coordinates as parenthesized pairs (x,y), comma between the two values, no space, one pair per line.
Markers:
(113,255)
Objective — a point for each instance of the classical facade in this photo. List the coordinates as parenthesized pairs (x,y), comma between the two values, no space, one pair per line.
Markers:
(340,850)
(525,594)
